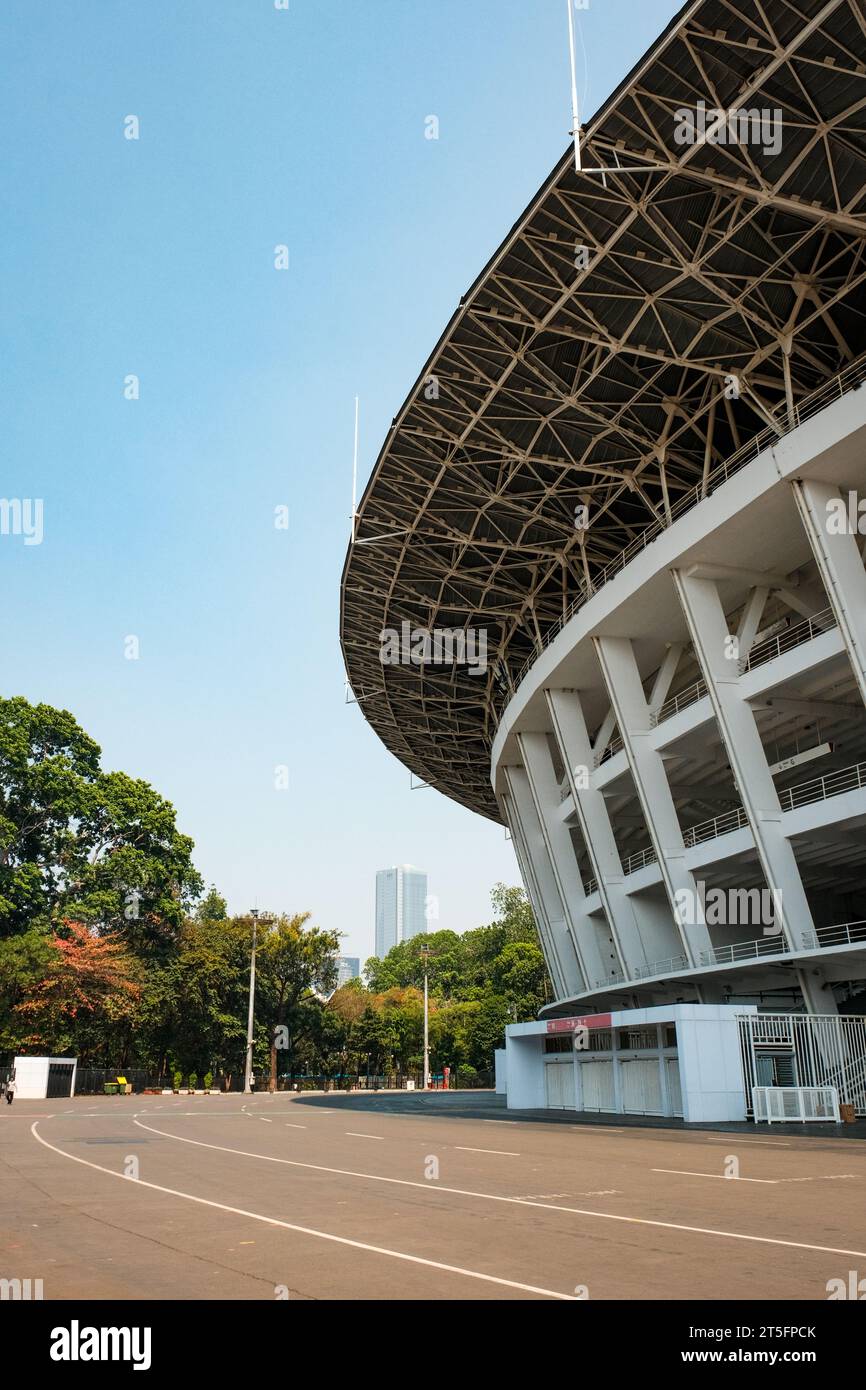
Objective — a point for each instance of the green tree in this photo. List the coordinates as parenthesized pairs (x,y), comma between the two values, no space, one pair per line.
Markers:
(99,848)
(295,962)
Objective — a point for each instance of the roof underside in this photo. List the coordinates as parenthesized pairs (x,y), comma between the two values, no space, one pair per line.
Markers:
(556,387)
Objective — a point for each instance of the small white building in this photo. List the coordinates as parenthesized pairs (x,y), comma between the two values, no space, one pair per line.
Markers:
(671,1059)
(42,1078)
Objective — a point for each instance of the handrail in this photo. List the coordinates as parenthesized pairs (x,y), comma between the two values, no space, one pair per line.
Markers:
(676,703)
(712,829)
(832,389)
(847,779)
(795,636)
(845,934)
(661,967)
(745,950)
(639,860)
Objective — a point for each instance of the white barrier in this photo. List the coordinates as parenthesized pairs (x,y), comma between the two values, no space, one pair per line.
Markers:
(798,1103)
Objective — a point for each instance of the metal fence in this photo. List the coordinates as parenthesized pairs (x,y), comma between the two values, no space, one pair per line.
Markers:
(805,1050)
(92,1081)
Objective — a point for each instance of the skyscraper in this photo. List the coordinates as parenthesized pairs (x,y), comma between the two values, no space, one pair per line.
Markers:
(348,968)
(401,894)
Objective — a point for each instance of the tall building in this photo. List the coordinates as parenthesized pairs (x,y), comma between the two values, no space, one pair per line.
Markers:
(401,894)
(643,483)
(348,968)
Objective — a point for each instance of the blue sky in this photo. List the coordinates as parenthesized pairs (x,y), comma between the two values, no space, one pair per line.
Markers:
(155,257)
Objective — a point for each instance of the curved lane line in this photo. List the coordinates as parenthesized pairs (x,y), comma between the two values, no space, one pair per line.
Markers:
(304,1230)
(516,1201)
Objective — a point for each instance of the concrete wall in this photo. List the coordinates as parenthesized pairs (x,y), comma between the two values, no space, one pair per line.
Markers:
(501,1066)
(31,1076)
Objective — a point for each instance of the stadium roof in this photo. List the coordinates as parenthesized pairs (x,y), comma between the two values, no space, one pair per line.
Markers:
(556,386)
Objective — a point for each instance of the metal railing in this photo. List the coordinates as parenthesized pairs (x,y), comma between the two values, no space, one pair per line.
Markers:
(784,641)
(591,886)
(639,860)
(615,746)
(712,829)
(810,405)
(661,967)
(745,950)
(615,978)
(689,696)
(848,779)
(846,934)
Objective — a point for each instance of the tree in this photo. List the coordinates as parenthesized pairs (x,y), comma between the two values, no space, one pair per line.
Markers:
(212,907)
(98,848)
(89,992)
(293,963)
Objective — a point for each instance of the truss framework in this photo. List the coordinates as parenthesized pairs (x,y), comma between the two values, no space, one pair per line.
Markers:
(628,336)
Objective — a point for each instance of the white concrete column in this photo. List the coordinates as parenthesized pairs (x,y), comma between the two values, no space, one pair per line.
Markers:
(572,736)
(634,718)
(708,627)
(562,957)
(824,511)
(535,900)
(545,792)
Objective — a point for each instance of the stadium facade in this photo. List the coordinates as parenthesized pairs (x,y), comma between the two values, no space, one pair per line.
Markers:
(633,475)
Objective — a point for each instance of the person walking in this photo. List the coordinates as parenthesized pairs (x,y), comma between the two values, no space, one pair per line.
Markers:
(10,1089)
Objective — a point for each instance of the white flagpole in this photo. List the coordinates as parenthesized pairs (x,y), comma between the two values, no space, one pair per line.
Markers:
(575,115)
(355,474)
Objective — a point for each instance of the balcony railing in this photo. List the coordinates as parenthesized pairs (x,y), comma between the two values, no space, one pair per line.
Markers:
(810,405)
(846,934)
(848,779)
(615,746)
(639,861)
(689,696)
(785,641)
(661,967)
(745,950)
(712,829)
(591,886)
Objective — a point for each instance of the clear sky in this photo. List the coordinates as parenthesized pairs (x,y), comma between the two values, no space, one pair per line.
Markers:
(155,257)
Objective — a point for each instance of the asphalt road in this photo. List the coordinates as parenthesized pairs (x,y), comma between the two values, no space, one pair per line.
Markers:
(414,1197)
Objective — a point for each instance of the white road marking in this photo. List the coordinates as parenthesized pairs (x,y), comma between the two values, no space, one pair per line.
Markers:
(506,1153)
(353,1134)
(265,1121)
(307,1230)
(288,1126)
(725,1177)
(494,1197)
(738,1139)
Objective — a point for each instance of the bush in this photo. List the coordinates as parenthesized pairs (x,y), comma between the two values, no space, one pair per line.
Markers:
(208,1080)
(193,1080)
(177,1079)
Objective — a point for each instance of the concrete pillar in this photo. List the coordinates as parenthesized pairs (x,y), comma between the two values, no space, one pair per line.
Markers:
(572,736)
(536,902)
(545,792)
(822,507)
(708,627)
(562,956)
(634,718)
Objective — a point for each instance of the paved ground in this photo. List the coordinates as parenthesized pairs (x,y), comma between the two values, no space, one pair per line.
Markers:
(443,1196)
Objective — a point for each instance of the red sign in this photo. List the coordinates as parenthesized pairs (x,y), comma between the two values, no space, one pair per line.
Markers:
(568,1025)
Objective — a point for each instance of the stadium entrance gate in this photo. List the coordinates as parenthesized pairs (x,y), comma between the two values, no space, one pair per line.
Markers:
(814,1050)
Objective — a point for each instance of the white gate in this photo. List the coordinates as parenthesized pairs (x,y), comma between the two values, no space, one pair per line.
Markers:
(675,1090)
(559,1085)
(597,1082)
(805,1050)
(641,1087)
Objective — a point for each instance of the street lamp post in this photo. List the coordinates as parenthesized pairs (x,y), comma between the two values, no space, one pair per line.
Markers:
(248,1069)
(425,955)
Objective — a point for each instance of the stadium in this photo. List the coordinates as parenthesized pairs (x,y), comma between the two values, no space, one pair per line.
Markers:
(633,465)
